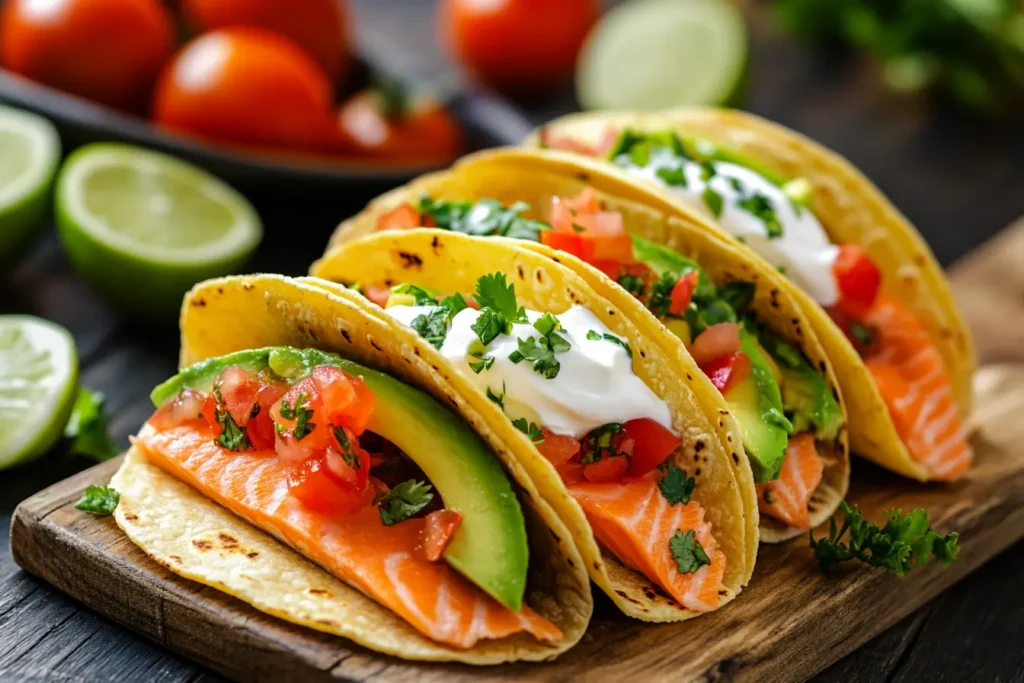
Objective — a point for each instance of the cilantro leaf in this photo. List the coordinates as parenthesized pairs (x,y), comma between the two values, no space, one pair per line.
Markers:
(421,296)
(661,294)
(713,200)
(484,217)
(547,323)
(672,176)
(99,500)
(594,335)
(761,208)
(493,291)
(598,443)
(530,429)
(688,552)
(632,284)
(737,294)
(489,324)
(404,501)
(87,427)
(542,357)
(432,326)
(862,333)
(232,437)
(482,363)
(676,486)
(497,398)
(454,304)
(904,542)
(348,452)
(301,414)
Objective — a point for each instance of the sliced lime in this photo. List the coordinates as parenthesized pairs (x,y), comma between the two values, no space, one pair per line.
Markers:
(29,154)
(658,54)
(38,376)
(144,227)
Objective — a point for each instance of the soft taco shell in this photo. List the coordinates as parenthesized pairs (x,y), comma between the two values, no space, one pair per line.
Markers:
(449,262)
(196,538)
(511,175)
(852,210)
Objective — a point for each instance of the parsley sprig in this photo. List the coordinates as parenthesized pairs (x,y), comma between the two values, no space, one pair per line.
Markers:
(498,308)
(541,352)
(232,436)
(87,427)
(99,500)
(675,485)
(687,551)
(906,541)
(530,429)
(404,501)
(433,326)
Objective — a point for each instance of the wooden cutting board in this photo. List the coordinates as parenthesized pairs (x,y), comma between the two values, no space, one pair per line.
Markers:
(791,622)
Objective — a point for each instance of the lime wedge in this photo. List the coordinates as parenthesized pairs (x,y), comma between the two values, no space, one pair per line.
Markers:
(658,54)
(29,154)
(143,227)
(38,377)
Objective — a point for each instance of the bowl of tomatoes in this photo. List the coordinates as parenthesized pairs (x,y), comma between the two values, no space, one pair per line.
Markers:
(258,91)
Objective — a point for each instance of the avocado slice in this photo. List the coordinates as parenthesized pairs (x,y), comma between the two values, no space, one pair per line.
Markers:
(489,546)
(756,403)
(805,394)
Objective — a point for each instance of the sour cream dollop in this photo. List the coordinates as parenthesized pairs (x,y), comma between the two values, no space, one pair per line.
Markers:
(595,384)
(803,250)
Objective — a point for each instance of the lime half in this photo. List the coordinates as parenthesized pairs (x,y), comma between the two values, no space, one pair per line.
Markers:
(29,154)
(38,377)
(658,54)
(143,227)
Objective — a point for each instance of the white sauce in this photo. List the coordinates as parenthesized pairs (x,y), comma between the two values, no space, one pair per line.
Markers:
(594,386)
(803,250)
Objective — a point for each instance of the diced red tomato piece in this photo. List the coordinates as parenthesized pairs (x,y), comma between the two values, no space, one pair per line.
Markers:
(570,243)
(358,413)
(858,280)
(440,526)
(209,414)
(652,443)
(682,293)
(571,473)
(402,217)
(558,448)
(353,471)
(606,469)
(239,389)
(612,269)
(618,248)
(715,342)
(305,396)
(378,293)
(600,223)
(335,389)
(313,484)
(585,202)
(183,408)
(562,218)
(727,371)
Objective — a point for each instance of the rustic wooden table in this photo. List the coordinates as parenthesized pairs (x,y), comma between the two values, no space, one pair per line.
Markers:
(958,180)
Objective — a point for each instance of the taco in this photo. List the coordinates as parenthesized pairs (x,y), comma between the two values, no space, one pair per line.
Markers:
(865,278)
(679,284)
(377,504)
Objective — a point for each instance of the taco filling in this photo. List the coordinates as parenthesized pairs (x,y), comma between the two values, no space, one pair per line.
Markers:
(771,215)
(369,478)
(788,416)
(567,383)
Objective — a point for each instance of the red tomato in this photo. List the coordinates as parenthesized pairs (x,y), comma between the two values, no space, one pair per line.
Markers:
(420,132)
(351,465)
(716,341)
(606,469)
(403,217)
(519,46)
(558,448)
(305,395)
(239,389)
(570,243)
(652,443)
(585,202)
(183,408)
(440,526)
(378,293)
(358,413)
(571,473)
(246,86)
(109,51)
(601,148)
(682,293)
(858,280)
(320,27)
(335,390)
(727,371)
(313,484)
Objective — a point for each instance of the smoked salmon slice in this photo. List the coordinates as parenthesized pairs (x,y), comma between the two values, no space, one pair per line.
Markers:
(381,561)
(911,377)
(787,497)
(635,522)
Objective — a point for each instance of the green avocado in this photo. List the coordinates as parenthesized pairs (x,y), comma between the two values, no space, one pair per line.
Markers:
(489,547)
(805,394)
(756,403)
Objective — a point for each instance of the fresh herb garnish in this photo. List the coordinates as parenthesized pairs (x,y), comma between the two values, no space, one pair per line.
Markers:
(673,177)
(433,326)
(594,335)
(542,357)
(482,362)
(530,429)
(661,294)
(489,324)
(99,500)
(597,445)
(713,200)
(904,542)
(737,294)
(688,552)
(301,414)
(862,333)
(484,217)
(632,284)
(497,398)
(404,501)
(761,208)
(494,292)
(347,451)
(769,498)
(707,170)
(87,427)
(232,437)
(676,486)
(420,296)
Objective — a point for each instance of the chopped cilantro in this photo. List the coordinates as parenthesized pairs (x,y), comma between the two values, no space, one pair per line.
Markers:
(862,333)
(673,177)
(489,324)
(737,294)
(404,501)
(530,429)
(632,284)
(493,291)
(707,170)
(432,326)
(598,443)
(676,486)
(713,200)
(547,323)
(688,552)
(421,296)
(484,217)
(301,414)
(661,294)
(348,452)
(482,362)
(454,304)
(497,398)
(736,184)
(541,355)
(232,437)
(761,208)
(87,427)
(594,335)
(99,500)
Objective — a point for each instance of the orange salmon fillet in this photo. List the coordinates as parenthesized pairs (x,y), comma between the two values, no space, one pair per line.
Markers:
(792,491)
(634,522)
(912,379)
(381,561)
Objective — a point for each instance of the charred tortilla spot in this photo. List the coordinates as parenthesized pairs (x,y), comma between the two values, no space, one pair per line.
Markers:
(822,366)
(220,290)
(227,541)
(318,591)
(735,457)
(131,517)
(348,339)
(248,286)
(689,377)
(416,351)
(436,242)
(374,344)
(202,544)
(199,303)
(643,354)
(327,622)
(175,558)
(522,275)
(699,446)
(626,596)
(252,554)
(410,260)
(583,177)
(539,274)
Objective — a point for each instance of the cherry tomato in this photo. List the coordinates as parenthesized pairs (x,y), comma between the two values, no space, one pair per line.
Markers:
(682,293)
(313,484)
(440,526)
(403,217)
(320,27)
(247,86)
(727,371)
(715,342)
(606,469)
(385,127)
(858,279)
(109,51)
(519,46)
(182,409)
(558,448)
(652,443)
(378,293)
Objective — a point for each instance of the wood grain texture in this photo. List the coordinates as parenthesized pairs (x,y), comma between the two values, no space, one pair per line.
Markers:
(788,625)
